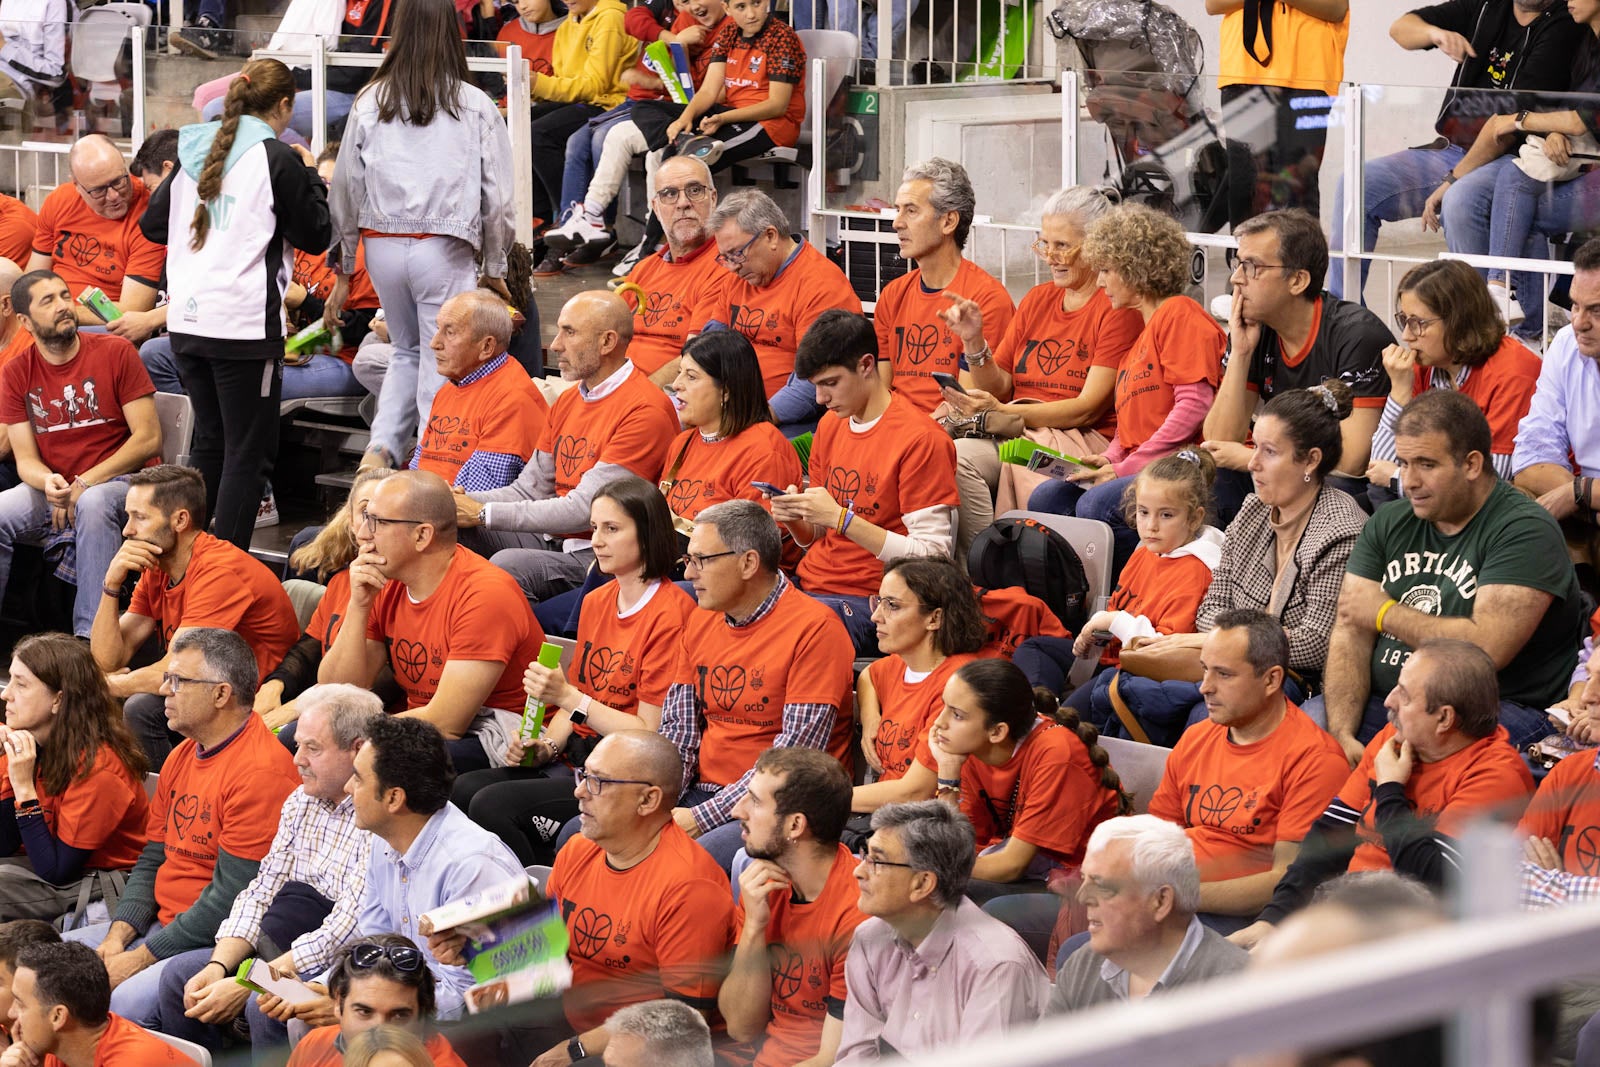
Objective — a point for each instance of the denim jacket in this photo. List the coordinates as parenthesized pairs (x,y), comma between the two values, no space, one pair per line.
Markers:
(451,177)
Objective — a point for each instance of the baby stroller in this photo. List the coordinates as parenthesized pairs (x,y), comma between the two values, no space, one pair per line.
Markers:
(1143,74)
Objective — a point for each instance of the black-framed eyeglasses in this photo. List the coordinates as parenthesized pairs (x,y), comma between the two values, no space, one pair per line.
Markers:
(737,256)
(406,959)
(595,784)
(367,518)
(877,864)
(1412,324)
(698,560)
(176,682)
(694,191)
(119,186)
(1252,270)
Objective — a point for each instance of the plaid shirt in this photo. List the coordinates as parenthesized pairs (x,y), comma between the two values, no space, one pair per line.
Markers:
(804,725)
(318,844)
(1244,576)
(1545,888)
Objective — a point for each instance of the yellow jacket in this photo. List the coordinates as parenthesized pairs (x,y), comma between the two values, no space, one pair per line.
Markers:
(589,57)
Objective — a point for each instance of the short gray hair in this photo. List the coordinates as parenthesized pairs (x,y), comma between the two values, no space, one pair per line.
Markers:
(1084,203)
(350,710)
(952,191)
(675,1035)
(1160,854)
(751,210)
(937,838)
(697,163)
(227,657)
(487,315)
(745,526)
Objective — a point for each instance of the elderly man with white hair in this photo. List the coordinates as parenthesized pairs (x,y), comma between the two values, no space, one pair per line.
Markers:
(1142,888)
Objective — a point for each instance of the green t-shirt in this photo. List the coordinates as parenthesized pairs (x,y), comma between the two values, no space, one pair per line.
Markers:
(1510,541)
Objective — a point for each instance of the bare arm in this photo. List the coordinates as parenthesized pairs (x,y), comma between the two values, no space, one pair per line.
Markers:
(1355,434)
(916,784)
(1540,478)
(1248,894)
(1085,409)
(1503,619)
(30,465)
(1348,677)
(464,687)
(1006,864)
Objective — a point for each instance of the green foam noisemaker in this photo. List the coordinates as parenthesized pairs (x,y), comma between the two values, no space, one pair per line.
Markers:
(533,710)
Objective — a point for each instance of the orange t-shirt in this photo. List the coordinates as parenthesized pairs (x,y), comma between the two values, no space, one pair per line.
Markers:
(126,1044)
(1487,777)
(501,412)
(908,708)
(1238,801)
(106,811)
(774,318)
(1306,53)
(917,342)
(1047,794)
(20,342)
(224,800)
(1502,387)
(663,926)
(478,613)
(902,464)
(714,471)
(1566,809)
(18,224)
(623,661)
(1013,615)
(223,587)
(1049,352)
(630,426)
(87,249)
(1167,590)
(1181,345)
(807,942)
(312,271)
(536,47)
(671,287)
(317,1049)
(751,64)
(798,653)
(325,621)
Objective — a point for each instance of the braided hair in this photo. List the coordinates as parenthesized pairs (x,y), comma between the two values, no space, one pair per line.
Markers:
(261,87)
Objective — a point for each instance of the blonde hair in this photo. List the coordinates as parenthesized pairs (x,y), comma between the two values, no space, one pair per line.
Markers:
(1143,245)
(333,548)
(1191,470)
(366,1045)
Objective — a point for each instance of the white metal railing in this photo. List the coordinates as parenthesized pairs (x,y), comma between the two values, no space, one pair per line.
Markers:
(928,42)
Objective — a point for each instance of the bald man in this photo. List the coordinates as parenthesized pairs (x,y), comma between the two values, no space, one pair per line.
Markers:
(487,417)
(456,630)
(89,235)
(612,424)
(14,335)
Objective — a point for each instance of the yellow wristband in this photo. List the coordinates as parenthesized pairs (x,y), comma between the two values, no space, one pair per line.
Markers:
(1383,613)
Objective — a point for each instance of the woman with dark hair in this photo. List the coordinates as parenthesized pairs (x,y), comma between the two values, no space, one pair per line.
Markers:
(423,182)
(232,212)
(71,781)
(628,631)
(1032,785)
(929,626)
(1451,337)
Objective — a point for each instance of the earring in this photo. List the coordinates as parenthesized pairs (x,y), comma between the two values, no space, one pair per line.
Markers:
(1308,477)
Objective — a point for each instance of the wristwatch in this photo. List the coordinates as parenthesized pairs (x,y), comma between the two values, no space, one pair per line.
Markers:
(1522,116)
(580,714)
(575,1050)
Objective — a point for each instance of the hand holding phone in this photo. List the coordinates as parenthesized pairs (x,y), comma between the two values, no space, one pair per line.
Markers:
(769,489)
(948,381)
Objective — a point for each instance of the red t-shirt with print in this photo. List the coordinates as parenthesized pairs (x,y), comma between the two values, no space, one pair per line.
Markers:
(751,64)
(907,708)
(630,426)
(902,464)
(625,660)
(670,288)
(105,811)
(1167,590)
(1502,387)
(1013,615)
(1181,345)
(715,471)
(75,409)
(1566,809)
(916,340)
(1049,352)
(502,412)
(127,1044)
(87,249)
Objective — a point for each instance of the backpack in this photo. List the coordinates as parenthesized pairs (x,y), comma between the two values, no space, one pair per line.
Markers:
(1026,553)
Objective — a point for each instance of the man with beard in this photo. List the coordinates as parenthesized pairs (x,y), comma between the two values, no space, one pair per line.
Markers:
(71,454)
(797,911)
(671,279)
(187,578)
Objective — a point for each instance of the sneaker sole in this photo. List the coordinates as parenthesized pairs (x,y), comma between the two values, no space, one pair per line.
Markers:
(543,271)
(583,257)
(183,44)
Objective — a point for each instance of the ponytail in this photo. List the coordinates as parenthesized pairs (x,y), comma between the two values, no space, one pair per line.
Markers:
(259,88)
(1109,778)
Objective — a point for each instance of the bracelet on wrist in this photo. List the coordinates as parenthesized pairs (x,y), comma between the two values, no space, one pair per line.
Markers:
(114,592)
(1383,613)
(981,357)
(949,783)
(217,963)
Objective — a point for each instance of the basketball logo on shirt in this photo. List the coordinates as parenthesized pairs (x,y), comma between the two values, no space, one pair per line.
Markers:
(917,342)
(1586,849)
(591,930)
(600,664)
(84,248)
(411,659)
(748,321)
(1048,355)
(1216,805)
(570,453)
(787,969)
(187,819)
(727,683)
(681,497)
(656,306)
(844,484)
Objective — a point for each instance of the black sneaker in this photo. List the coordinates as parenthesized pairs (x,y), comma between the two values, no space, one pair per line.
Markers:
(550,266)
(592,251)
(203,39)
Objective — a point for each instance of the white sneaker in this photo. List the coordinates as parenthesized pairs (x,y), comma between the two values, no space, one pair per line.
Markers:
(565,233)
(1506,304)
(1222,307)
(631,260)
(267,513)
(582,229)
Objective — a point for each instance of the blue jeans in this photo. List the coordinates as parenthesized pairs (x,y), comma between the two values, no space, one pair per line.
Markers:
(139,998)
(583,152)
(1396,187)
(1031,915)
(1526,212)
(413,277)
(794,407)
(25,516)
(843,15)
(1471,215)
(323,376)
(856,616)
(1103,503)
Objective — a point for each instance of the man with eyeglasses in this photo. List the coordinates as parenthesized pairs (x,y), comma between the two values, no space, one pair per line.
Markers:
(455,628)
(763,666)
(212,820)
(1141,889)
(1285,333)
(774,287)
(382,980)
(673,278)
(89,235)
(187,578)
(929,969)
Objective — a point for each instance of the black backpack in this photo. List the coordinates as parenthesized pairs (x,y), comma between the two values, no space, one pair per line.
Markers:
(1026,553)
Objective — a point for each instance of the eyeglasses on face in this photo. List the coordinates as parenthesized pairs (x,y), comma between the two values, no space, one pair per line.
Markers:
(1415,325)
(698,560)
(1253,270)
(595,784)
(889,604)
(878,864)
(115,185)
(737,256)
(1055,251)
(176,682)
(694,191)
(367,518)
(406,959)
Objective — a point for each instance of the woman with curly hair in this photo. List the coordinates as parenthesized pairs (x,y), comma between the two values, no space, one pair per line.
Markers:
(1167,380)
(71,780)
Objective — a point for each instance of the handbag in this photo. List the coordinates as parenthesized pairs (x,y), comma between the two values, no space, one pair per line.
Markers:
(1173,665)
(1532,161)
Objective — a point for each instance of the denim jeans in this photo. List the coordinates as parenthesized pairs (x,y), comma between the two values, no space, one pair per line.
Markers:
(139,998)
(583,152)
(844,15)
(1471,216)
(1396,187)
(1103,503)
(413,277)
(856,616)
(1526,212)
(25,516)
(794,407)
(323,376)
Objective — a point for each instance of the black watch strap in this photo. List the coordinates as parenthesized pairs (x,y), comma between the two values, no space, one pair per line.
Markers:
(575,1051)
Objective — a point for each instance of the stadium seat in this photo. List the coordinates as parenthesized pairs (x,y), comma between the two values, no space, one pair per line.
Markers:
(176,414)
(199,1053)
(1139,766)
